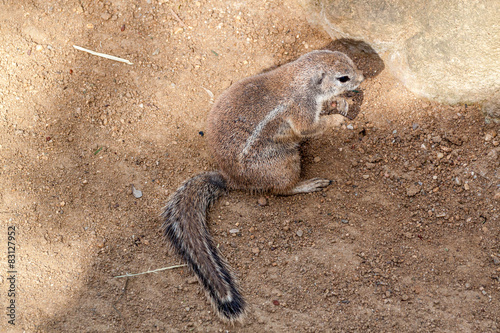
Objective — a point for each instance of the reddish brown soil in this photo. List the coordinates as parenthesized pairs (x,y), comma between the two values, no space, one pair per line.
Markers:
(406,239)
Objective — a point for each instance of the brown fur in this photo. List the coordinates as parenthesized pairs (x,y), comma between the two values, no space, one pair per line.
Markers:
(272,163)
(254,131)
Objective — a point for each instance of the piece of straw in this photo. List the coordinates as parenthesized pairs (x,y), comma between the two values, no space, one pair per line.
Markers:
(148,272)
(103,55)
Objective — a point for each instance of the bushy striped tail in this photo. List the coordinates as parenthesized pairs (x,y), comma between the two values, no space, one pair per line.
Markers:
(185,228)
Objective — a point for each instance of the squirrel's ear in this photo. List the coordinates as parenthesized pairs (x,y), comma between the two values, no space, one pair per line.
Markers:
(320,78)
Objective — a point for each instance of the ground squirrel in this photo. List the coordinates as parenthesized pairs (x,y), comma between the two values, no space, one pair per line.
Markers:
(254,130)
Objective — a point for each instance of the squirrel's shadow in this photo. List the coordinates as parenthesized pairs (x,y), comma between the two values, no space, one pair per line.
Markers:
(363,55)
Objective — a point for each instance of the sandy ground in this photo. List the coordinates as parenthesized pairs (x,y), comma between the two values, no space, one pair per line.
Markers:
(406,239)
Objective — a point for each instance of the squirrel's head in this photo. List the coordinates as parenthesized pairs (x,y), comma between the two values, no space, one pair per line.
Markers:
(331,73)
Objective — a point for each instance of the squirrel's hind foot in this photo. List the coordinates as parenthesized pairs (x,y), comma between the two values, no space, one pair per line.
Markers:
(310,185)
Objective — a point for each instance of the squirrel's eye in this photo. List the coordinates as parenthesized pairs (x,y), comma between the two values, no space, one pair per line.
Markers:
(343,79)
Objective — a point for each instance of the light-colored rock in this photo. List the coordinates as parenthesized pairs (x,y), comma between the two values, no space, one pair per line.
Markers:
(446,50)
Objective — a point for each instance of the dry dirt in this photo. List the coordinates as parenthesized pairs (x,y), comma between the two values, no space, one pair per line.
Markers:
(406,239)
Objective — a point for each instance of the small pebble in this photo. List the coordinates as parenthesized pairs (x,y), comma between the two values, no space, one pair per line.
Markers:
(436,139)
(276,292)
(192,280)
(276,302)
(440,155)
(106,16)
(405,297)
(374,159)
(345,221)
(413,190)
(317,159)
(466,187)
(366,176)
(255,250)
(137,193)
(234,231)
(490,136)
(262,201)
(497,196)
(350,127)
(370,165)
(300,233)
(100,243)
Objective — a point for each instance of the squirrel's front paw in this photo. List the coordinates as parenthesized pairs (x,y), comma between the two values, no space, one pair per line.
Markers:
(348,104)
(342,106)
(338,105)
